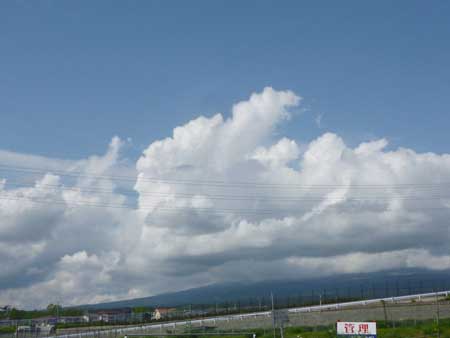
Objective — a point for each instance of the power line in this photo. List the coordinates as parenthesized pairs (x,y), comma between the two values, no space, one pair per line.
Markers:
(188,208)
(403,195)
(234,197)
(410,195)
(215,183)
(155,208)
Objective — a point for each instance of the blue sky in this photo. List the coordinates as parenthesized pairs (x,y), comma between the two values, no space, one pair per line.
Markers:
(73,74)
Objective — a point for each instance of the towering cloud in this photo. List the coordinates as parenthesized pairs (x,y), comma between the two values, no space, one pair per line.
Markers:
(221,198)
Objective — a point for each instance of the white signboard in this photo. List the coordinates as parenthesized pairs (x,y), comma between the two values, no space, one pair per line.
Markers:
(357,328)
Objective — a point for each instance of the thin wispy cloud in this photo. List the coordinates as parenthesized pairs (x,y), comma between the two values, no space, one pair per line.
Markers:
(318,120)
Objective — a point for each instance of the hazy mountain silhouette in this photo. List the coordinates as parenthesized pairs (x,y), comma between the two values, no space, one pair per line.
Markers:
(366,285)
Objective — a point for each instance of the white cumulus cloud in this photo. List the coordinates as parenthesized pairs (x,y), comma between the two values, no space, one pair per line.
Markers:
(220,198)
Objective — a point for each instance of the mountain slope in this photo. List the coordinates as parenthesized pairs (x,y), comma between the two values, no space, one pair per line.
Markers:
(367,285)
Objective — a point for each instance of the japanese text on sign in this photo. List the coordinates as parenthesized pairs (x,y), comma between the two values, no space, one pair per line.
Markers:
(356,328)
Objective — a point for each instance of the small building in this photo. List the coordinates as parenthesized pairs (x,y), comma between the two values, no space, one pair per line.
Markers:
(163,313)
(73,319)
(94,317)
(112,316)
(45,320)
(40,329)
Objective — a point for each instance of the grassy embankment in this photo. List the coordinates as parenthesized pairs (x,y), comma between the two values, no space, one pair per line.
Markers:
(7,329)
(405,329)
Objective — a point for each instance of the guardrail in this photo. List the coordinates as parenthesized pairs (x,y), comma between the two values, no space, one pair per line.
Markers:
(335,306)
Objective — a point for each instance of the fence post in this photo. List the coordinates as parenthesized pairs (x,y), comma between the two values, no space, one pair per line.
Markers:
(384,310)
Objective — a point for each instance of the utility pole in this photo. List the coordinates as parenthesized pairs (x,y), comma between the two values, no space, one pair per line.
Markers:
(437,316)
(273,316)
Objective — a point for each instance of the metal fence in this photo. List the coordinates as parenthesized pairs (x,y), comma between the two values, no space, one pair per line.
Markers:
(390,312)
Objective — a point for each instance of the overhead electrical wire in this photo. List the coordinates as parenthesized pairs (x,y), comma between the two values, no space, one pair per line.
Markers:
(234,197)
(369,193)
(144,208)
(187,208)
(215,183)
